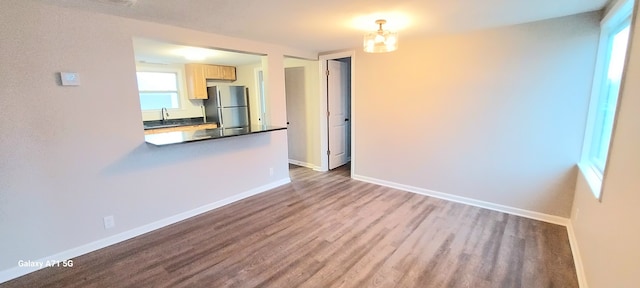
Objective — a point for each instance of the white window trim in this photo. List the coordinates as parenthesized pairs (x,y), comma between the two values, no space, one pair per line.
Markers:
(620,13)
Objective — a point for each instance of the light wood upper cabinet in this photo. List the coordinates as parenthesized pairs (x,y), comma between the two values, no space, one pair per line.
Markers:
(197,75)
(196,81)
(228,72)
(212,72)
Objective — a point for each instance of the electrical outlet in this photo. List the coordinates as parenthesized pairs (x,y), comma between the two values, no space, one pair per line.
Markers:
(271,171)
(109,222)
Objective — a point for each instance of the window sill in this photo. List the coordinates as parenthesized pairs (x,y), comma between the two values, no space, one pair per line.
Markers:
(593,178)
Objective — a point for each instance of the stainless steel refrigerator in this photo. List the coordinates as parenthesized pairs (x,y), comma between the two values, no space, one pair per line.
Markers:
(227,105)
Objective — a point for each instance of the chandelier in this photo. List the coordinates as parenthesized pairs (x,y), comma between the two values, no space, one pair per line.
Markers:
(381,40)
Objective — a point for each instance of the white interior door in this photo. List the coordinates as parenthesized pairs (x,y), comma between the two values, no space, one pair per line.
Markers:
(338,120)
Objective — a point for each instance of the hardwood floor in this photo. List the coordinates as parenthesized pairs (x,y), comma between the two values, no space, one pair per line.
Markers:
(326,230)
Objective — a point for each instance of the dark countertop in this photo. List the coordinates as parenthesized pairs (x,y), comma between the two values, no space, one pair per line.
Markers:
(157,124)
(178,137)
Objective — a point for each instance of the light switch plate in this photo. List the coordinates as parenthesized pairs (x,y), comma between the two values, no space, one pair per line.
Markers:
(70,79)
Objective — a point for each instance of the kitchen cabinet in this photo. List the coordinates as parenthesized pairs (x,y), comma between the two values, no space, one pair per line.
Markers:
(228,72)
(196,81)
(198,74)
(181,128)
(212,72)
(220,72)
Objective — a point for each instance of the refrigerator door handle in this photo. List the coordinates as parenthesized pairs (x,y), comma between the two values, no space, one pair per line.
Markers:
(220,110)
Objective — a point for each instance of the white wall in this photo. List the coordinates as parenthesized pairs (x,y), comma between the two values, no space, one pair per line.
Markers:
(608,232)
(72,155)
(303,80)
(494,115)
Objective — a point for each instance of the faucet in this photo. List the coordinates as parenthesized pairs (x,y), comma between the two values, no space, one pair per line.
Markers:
(165,114)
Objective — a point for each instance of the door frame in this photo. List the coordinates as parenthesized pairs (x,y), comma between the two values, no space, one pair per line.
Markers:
(258,73)
(324,129)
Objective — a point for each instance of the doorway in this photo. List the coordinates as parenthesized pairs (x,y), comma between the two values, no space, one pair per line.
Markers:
(337,114)
(297,121)
(302,92)
(261,109)
(338,111)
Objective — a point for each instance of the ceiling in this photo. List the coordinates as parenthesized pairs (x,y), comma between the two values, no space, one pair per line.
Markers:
(157,52)
(329,25)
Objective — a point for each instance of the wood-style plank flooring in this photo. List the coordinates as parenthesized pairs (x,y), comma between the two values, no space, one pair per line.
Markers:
(327,230)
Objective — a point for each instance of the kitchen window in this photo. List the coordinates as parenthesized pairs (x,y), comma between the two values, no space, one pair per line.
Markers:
(607,80)
(158,90)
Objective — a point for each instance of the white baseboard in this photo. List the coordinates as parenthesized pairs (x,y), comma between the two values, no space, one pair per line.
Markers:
(16,272)
(469,201)
(305,164)
(577,259)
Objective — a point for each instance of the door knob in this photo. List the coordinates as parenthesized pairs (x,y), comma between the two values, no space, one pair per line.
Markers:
(346,119)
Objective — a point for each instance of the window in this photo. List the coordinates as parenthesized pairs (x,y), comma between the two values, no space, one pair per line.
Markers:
(614,38)
(158,90)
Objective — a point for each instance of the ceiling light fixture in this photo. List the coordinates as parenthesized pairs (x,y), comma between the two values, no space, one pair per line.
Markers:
(195,53)
(380,41)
